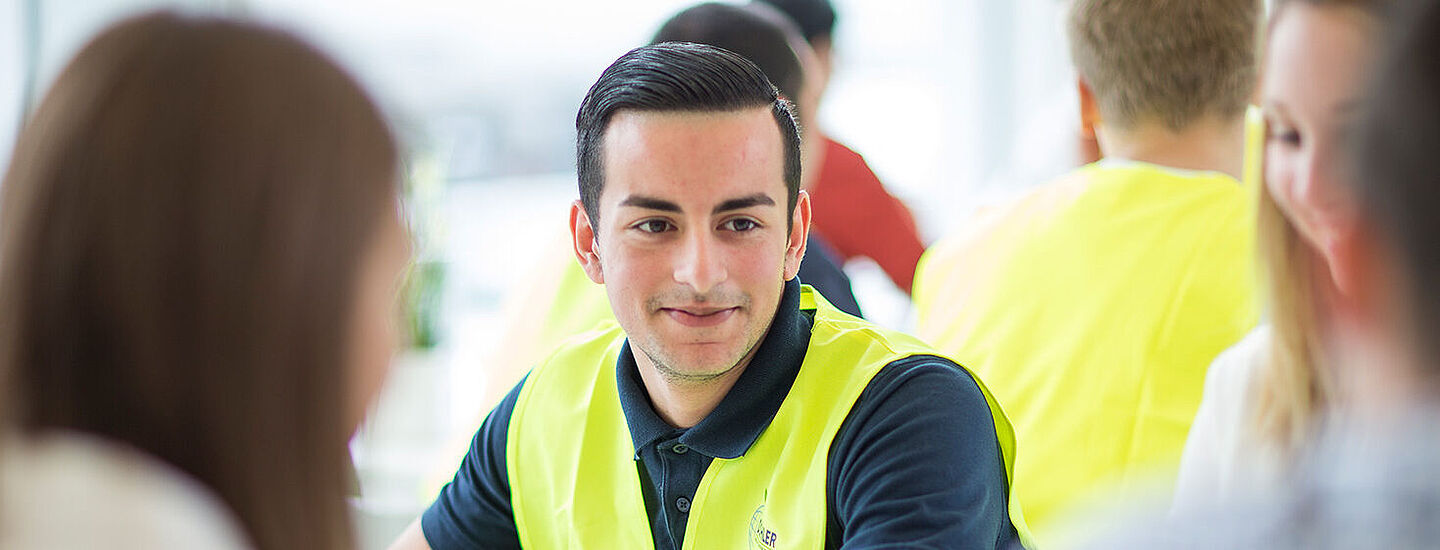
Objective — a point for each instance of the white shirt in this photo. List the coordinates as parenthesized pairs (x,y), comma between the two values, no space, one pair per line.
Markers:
(68,491)
(1225,457)
(1357,484)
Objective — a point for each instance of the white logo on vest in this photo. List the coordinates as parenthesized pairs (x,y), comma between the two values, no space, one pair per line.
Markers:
(761,537)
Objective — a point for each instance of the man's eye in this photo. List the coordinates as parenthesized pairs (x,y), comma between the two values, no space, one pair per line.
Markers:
(741,225)
(653,226)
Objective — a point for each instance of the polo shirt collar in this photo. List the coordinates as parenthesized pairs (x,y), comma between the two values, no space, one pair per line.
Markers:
(744,412)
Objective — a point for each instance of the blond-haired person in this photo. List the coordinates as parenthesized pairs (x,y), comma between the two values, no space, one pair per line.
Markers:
(1264,397)
(1093,305)
(1364,477)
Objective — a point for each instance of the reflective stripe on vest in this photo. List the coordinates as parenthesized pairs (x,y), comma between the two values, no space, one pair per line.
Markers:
(573,469)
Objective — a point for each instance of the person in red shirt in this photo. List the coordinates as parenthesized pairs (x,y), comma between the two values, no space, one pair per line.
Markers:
(852,211)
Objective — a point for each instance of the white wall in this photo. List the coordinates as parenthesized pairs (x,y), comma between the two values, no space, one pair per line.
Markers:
(12,73)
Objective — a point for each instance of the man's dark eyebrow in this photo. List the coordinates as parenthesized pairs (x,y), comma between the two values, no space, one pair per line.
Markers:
(758,199)
(650,203)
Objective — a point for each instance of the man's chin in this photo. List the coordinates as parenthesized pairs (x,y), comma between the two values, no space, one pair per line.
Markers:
(692,378)
(694,370)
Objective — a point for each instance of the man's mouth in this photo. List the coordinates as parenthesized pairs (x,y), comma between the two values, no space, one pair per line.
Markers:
(699,316)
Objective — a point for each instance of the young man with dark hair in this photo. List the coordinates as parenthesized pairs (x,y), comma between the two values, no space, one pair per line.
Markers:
(1095,303)
(730,406)
(557,301)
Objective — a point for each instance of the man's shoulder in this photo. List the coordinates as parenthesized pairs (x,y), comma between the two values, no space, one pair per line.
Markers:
(933,374)
(922,418)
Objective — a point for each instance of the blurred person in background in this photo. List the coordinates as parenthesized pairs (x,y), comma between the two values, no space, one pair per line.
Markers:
(1094,304)
(854,214)
(1365,477)
(730,407)
(201,251)
(558,301)
(1264,397)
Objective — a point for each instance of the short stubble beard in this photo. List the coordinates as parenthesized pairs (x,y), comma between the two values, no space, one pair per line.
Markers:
(681,378)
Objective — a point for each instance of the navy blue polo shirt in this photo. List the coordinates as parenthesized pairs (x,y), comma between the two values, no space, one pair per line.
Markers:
(915,464)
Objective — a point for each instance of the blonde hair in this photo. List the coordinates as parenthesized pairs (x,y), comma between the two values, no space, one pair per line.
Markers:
(1294,385)
(1166,61)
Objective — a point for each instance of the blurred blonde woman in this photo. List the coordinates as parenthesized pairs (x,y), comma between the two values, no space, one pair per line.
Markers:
(1265,396)
(200,257)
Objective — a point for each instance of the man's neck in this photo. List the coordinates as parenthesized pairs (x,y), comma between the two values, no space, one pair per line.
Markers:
(682,403)
(1209,144)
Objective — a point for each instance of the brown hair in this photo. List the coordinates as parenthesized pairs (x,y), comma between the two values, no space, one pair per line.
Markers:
(183,218)
(1294,387)
(1166,61)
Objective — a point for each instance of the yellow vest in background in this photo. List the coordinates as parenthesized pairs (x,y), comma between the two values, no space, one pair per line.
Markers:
(1093,307)
(573,472)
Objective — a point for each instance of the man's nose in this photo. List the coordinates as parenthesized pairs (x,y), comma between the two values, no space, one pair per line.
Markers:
(700,265)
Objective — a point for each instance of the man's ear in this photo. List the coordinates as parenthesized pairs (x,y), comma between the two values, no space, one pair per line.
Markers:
(587,250)
(799,235)
(1088,142)
(1089,109)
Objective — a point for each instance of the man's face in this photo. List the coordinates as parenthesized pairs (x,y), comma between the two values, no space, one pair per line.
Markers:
(691,243)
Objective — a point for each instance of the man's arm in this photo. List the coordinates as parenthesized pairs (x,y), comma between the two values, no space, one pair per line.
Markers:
(861,218)
(917,465)
(473,510)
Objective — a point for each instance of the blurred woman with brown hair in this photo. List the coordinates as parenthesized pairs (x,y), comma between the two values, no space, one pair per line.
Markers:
(201,250)
(1264,397)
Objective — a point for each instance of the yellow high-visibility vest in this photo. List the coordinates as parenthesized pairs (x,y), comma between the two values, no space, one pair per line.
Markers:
(572,467)
(1093,307)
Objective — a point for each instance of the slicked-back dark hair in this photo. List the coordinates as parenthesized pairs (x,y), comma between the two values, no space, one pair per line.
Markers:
(1398,137)
(677,77)
(816,18)
(756,31)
